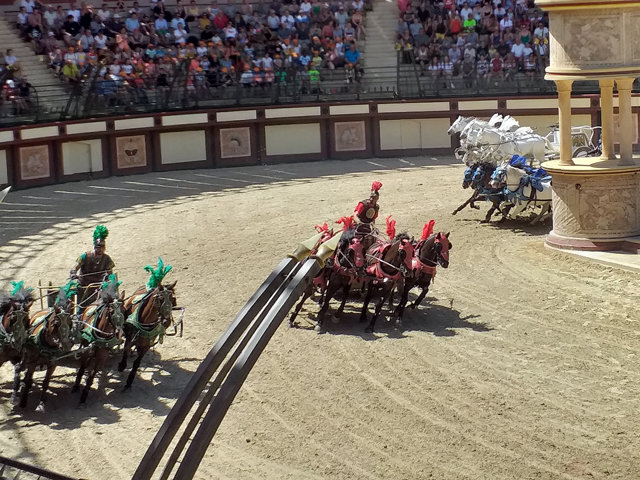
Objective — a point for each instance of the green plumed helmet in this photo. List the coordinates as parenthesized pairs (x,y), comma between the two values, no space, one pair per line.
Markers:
(100,234)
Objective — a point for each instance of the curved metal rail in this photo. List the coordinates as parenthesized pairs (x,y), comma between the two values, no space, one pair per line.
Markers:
(220,376)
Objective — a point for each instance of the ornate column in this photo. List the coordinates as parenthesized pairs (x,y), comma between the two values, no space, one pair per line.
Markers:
(625,120)
(606,114)
(564,120)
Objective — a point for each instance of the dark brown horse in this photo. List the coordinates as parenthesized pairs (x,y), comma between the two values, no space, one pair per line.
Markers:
(103,323)
(148,315)
(341,271)
(429,253)
(388,263)
(14,326)
(51,335)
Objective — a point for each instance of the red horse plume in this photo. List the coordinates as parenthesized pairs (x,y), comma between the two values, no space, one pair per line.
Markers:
(322,228)
(391,228)
(375,186)
(427,230)
(347,222)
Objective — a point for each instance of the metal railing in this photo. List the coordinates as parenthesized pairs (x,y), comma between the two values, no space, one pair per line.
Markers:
(92,97)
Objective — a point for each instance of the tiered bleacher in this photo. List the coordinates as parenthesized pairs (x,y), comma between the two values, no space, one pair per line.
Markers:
(483,43)
(135,54)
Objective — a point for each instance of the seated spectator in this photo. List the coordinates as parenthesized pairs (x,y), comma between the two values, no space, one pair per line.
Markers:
(21,21)
(28,5)
(70,73)
(510,67)
(495,70)
(11,63)
(70,31)
(482,70)
(518,51)
(468,71)
(132,22)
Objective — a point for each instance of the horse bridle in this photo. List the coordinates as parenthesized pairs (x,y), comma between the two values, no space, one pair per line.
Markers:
(163,304)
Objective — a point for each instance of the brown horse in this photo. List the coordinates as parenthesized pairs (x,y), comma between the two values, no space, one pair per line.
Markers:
(429,253)
(51,336)
(336,275)
(14,325)
(103,323)
(148,315)
(388,263)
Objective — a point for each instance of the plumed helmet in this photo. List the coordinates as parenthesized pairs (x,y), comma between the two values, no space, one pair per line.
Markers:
(100,235)
(375,188)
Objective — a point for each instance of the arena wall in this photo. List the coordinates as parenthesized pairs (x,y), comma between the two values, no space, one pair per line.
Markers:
(66,151)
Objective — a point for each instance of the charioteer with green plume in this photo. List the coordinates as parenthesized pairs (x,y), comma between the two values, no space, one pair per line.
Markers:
(93,267)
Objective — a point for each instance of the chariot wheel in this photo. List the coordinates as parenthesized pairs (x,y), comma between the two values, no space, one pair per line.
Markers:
(581,152)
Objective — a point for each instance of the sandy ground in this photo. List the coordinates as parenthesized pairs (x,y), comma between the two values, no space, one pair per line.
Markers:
(522,365)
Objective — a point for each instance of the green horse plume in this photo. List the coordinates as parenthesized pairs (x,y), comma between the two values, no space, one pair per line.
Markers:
(156,275)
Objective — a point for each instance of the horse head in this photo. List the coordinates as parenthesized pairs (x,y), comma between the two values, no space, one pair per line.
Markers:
(478,177)
(458,125)
(113,302)
(499,177)
(163,301)
(468,176)
(442,247)
(14,314)
(405,249)
(59,329)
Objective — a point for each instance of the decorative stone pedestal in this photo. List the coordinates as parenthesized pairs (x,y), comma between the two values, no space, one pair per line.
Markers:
(596,205)
(596,201)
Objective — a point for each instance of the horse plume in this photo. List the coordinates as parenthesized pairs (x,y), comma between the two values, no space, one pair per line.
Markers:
(347,222)
(391,227)
(20,293)
(110,288)
(322,228)
(66,292)
(427,229)
(156,276)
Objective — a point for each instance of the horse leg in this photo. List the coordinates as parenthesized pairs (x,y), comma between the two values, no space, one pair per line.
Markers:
(332,288)
(136,364)
(45,386)
(17,368)
(98,362)
(399,312)
(27,381)
(80,374)
(345,295)
(383,298)
(365,303)
(423,294)
(125,353)
(471,199)
(307,293)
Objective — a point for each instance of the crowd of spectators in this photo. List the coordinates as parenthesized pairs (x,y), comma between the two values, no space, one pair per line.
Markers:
(479,42)
(253,45)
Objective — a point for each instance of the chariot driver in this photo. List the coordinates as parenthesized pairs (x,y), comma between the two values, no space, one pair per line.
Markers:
(92,267)
(367,209)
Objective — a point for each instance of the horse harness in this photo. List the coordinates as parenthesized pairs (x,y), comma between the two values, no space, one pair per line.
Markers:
(92,334)
(18,335)
(156,329)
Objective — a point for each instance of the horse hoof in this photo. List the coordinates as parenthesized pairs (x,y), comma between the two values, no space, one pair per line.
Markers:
(82,405)
(318,328)
(40,408)
(292,324)
(398,323)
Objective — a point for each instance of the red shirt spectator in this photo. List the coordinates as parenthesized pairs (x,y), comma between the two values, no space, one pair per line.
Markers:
(220,20)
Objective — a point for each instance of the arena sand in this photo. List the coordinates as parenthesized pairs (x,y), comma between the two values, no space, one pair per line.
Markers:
(522,364)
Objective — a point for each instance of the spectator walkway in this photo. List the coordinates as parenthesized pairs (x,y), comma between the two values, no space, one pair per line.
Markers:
(50,92)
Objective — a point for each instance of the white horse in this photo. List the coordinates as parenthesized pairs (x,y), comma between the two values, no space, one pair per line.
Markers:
(524,196)
(505,145)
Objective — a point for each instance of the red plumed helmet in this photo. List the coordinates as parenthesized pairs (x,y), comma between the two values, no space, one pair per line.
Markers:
(427,230)
(375,186)
(347,222)
(391,227)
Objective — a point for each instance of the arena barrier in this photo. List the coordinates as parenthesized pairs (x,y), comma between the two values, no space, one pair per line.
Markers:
(220,376)
(14,470)
(100,147)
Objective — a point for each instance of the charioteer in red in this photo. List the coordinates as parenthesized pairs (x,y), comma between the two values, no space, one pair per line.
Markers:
(367,211)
